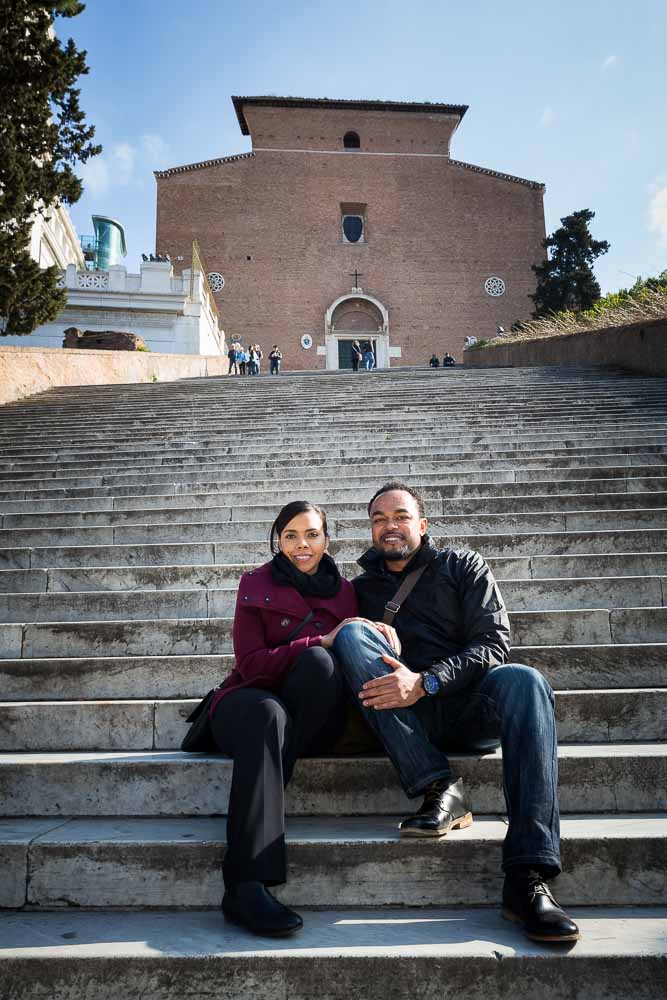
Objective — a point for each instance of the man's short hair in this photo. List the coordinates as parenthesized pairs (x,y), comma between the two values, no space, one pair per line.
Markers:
(404,488)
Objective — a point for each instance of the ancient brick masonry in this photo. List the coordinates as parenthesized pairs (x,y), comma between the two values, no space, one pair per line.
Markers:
(434,229)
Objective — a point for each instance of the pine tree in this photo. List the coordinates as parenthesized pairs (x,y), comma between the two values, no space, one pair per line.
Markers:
(565,280)
(43,134)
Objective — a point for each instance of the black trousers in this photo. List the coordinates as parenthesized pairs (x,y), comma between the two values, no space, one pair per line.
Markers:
(265,733)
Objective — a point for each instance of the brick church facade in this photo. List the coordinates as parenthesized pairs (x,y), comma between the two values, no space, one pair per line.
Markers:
(349,219)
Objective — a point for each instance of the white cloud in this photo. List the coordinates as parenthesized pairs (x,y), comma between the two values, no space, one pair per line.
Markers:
(547,118)
(609,63)
(657,210)
(124,163)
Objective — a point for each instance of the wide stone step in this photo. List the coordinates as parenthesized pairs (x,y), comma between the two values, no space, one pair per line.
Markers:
(523,544)
(632,665)
(332,497)
(160,636)
(342,470)
(357,861)
(593,778)
(377,954)
(318,442)
(196,577)
(201,602)
(241,513)
(143,533)
(322,457)
(619,715)
(638,478)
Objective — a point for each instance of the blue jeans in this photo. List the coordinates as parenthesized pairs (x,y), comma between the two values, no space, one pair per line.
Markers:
(512,705)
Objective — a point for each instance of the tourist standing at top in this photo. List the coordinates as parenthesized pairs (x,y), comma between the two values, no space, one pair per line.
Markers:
(435,361)
(448,361)
(356,355)
(275,357)
(233,363)
(369,357)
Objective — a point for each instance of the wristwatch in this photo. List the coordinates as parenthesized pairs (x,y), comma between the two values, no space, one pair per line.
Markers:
(430,683)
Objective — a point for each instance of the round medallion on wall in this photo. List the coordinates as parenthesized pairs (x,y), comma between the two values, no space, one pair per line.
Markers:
(216,281)
(306,341)
(494,286)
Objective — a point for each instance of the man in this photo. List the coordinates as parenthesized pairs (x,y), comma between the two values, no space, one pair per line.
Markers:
(448,361)
(452,689)
(275,357)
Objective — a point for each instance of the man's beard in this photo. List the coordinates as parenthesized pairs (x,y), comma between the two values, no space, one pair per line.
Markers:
(396,555)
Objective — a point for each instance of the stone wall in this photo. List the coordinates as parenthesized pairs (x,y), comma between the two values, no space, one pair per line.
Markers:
(640,347)
(27,370)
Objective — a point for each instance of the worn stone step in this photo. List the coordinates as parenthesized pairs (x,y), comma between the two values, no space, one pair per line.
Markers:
(190,676)
(318,442)
(342,470)
(130,578)
(333,496)
(619,715)
(146,532)
(356,861)
(160,636)
(203,602)
(524,544)
(593,778)
(241,513)
(377,954)
(323,458)
(637,477)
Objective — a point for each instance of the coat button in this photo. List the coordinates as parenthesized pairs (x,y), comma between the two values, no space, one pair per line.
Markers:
(285,622)
(245,597)
(267,599)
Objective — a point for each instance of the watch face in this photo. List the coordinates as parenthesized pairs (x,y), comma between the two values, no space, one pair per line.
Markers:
(431,684)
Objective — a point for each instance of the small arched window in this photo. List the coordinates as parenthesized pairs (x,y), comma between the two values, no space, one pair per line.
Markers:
(351,140)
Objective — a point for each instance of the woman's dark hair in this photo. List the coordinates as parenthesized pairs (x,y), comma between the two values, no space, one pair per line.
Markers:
(289,511)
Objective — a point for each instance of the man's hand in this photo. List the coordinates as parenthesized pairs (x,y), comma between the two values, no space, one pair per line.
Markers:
(399,689)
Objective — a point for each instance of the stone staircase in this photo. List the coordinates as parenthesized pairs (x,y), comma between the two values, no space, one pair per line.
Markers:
(128,513)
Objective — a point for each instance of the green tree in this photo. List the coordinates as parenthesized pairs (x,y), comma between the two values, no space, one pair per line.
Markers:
(43,134)
(565,280)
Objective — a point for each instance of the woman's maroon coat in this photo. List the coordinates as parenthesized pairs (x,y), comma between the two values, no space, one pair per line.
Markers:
(265,615)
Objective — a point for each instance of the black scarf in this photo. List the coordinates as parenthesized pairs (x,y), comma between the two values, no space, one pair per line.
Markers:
(325,583)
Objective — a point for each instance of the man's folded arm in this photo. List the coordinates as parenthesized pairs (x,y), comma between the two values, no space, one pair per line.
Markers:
(486,629)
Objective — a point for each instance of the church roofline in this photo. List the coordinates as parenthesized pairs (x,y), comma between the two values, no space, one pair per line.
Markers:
(538,185)
(425,107)
(201,165)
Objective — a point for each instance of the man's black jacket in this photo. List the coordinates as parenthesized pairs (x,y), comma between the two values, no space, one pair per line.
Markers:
(454,621)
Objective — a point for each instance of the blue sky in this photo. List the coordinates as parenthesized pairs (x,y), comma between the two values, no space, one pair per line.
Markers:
(573,94)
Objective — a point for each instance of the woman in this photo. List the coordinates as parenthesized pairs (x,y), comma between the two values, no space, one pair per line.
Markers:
(356,355)
(283,700)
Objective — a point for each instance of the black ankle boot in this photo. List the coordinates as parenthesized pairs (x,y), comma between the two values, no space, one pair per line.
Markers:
(251,905)
(445,807)
(527,900)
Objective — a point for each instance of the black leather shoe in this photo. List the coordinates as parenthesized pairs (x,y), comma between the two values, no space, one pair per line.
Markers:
(251,905)
(528,901)
(445,807)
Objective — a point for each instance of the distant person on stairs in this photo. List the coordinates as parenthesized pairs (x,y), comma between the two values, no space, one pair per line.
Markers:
(369,357)
(275,357)
(448,361)
(357,356)
(233,363)
(453,690)
(284,699)
(434,361)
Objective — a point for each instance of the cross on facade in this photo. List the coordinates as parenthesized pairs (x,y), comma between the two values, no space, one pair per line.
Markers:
(356,276)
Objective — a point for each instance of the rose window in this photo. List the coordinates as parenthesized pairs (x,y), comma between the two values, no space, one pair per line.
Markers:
(216,281)
(494,286)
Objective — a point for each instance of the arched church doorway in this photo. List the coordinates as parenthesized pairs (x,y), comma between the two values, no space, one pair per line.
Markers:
(356,317)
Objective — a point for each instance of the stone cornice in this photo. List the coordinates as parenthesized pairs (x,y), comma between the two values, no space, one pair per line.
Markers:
(423,107)
(537,185)
(170,171)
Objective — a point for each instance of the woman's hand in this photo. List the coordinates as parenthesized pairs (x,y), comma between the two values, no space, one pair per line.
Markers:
(328,640)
